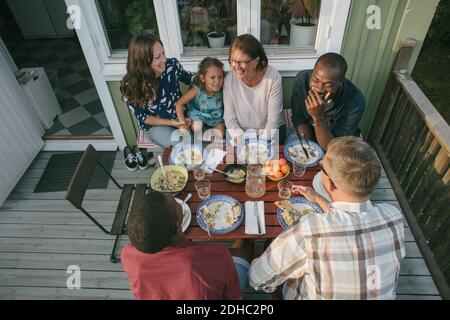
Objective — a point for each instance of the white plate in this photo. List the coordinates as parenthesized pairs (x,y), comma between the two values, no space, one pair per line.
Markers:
(187,215)
(319,188)
(254,152)
(181,155)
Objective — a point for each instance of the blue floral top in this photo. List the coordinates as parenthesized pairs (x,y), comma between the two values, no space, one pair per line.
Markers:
(167,94)
(205,108)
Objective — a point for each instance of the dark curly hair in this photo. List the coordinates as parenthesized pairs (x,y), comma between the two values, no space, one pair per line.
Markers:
(140,83)
(153,222)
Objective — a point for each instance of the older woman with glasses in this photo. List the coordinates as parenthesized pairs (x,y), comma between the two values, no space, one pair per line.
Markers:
(252,94)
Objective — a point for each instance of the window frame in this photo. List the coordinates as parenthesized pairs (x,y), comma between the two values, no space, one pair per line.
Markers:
(288,61)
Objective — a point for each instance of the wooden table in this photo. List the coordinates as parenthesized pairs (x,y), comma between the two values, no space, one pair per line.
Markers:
(220,186)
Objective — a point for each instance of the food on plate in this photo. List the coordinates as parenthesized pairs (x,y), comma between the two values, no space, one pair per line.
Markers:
(299,156)
(284,205)
(236,174)
(254,153)
(190,157)
(174,182)
(220,214)
(291,214)
(276,169)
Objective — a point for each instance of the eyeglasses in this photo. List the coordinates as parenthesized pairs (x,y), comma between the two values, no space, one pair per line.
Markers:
(323,170)
(241,64)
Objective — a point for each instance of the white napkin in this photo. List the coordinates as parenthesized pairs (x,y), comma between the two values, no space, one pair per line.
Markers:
(215,157)
(251,224)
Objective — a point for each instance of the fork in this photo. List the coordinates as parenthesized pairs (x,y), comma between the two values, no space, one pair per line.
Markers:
(206,210)
(307,142)
(304,149)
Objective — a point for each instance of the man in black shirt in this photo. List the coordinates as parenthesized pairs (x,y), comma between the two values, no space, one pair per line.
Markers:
(324,103)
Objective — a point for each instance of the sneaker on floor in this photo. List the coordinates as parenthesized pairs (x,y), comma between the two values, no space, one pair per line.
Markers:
(130,159)
(141,158)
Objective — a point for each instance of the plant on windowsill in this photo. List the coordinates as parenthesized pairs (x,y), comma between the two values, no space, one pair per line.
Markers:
(141,17)
(216,36)
(304,28)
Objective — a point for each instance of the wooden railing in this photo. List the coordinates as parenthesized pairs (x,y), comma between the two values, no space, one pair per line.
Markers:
(413,142)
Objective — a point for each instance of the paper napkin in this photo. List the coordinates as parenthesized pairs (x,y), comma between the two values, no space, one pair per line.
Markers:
(251,224)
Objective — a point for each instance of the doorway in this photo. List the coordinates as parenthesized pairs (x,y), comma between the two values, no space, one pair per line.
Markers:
(82,114)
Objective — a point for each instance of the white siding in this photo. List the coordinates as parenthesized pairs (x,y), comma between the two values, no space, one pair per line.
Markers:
(20,129)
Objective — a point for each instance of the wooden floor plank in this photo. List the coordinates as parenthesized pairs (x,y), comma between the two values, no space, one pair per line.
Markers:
(416,285)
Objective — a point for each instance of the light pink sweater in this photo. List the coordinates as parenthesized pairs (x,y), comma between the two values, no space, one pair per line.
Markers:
(259,108)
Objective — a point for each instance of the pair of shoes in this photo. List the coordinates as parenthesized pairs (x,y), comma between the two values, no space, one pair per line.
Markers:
(135,159)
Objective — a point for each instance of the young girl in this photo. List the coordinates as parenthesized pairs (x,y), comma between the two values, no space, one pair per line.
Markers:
(204,99)
(151,89)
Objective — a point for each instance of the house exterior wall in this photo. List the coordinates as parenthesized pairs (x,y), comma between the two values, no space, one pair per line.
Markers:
(370,53)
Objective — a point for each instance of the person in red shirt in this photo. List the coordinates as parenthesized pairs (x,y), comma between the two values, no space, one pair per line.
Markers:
(162,264)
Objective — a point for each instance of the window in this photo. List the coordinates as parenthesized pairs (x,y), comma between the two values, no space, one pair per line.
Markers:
(122,19)
(289,23)
(184,25)
(207,24)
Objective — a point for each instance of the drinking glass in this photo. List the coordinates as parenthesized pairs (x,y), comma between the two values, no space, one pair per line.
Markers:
(285,189)
(298,169)
(255,181)
(199,173)
(203,188)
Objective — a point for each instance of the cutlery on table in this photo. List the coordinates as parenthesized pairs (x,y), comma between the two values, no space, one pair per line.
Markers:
(206,211)
(304,149)
(161,165)
(225,173)
(187,198)
(165,183)
(307,142)
(255,212)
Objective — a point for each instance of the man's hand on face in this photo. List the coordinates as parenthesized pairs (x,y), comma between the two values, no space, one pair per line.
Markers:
(315,105)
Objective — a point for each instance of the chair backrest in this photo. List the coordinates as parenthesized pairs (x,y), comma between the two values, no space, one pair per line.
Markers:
(288,119)
(81,177)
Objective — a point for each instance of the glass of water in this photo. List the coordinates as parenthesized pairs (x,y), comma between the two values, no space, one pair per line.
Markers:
(203,188)
(285,189)
(298,169)
(199,173)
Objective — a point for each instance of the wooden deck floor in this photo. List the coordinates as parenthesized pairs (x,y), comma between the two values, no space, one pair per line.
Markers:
(41,234)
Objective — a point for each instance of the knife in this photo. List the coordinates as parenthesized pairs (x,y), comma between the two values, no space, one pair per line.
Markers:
(304,149)
(255,211)
(304,138)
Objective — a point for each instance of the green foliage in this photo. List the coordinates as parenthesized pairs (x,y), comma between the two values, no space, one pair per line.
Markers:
(216,25)
(440,28)
(141,16)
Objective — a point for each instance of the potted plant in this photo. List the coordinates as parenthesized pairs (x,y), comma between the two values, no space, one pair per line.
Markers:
(141,17)
(216,36)
(304,28)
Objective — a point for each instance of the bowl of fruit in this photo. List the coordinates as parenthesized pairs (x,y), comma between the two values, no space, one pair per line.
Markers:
(277,170)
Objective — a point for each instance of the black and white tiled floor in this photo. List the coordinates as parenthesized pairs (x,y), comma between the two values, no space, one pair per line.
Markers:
(63,60)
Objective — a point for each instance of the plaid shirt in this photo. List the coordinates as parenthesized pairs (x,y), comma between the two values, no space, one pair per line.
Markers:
(351,252)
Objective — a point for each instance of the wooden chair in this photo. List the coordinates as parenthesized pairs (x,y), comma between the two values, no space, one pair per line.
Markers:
(79,184)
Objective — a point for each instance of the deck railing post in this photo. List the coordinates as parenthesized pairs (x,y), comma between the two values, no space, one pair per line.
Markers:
(404,55)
